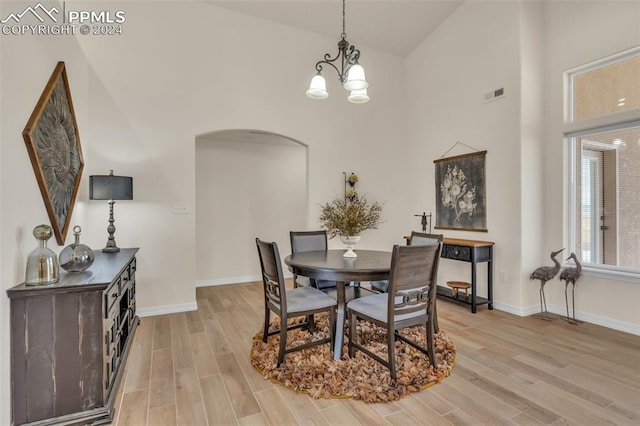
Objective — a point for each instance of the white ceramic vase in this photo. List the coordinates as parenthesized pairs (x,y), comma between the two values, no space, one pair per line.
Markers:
(349,241)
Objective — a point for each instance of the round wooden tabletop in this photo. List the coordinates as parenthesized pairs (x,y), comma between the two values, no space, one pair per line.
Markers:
(331,265)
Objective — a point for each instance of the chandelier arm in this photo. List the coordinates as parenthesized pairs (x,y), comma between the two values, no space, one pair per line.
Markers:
(319,66)
(353,55)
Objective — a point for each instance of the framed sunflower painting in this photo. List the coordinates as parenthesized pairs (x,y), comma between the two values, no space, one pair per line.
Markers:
(461,192)
(53,142)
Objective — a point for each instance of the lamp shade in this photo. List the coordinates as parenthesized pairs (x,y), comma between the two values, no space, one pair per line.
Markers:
(355,78)
(110,187)
(318,88)
(358,96)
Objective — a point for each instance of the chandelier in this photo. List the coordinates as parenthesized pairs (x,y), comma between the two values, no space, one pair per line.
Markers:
(350,72)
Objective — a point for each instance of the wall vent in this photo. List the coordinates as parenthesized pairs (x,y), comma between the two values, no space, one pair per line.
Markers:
(493,95)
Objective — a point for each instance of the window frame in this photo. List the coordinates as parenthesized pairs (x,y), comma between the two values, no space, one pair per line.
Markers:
(573,129)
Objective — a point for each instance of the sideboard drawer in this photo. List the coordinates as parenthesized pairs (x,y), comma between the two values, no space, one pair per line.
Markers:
(111,297)
(456,252)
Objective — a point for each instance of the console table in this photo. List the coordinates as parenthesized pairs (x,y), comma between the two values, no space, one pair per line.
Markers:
(70,340)
(474,252)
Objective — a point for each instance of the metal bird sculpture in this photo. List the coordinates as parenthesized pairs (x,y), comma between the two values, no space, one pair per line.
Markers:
(571,275)
(544,274)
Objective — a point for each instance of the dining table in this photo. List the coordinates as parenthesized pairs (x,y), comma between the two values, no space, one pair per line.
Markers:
(369,265)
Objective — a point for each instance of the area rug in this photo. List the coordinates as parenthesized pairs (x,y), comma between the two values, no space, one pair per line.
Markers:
(314,371)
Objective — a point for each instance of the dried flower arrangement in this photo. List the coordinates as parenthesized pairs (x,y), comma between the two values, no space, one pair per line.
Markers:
(350,217)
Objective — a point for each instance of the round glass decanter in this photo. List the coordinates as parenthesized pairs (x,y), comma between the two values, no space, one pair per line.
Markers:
(76,257)
(42,263)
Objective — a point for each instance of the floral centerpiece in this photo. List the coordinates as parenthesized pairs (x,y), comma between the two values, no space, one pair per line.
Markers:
(350,217)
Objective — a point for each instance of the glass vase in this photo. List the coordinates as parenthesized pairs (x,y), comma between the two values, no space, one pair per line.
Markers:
(76,257)
(42,263)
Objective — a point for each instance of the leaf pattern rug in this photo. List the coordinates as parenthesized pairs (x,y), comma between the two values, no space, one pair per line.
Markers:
(314,371)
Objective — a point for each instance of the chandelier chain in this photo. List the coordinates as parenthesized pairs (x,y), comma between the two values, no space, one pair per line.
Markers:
(344,20)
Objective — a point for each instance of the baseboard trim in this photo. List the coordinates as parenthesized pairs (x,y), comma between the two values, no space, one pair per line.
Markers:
(235,280)
(562,310)
(168,309)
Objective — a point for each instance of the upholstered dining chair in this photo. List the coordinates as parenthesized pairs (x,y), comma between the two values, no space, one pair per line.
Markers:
(301,301)
(416,239)
(303,241)
(410,302)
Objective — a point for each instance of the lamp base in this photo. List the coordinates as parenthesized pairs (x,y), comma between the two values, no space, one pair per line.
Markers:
(111,246)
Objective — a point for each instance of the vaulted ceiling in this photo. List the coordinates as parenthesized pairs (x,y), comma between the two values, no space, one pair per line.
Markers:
(392,26)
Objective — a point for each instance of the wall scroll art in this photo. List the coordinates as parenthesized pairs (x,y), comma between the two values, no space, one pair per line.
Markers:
(53,142)
(461,192)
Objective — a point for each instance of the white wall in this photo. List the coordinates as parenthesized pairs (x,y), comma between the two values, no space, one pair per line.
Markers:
(475,50)
(170,94)
(532,144)
(577,33)
(524,47)
(244,190)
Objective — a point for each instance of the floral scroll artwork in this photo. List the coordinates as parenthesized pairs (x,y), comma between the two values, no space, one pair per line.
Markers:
(53,142)
(461,193)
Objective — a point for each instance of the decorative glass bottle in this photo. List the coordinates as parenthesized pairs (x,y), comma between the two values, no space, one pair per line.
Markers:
(76,257)
(42,263)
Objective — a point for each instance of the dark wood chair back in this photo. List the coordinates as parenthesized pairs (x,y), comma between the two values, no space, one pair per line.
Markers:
(272,277)
(422,239)
(304,301)
(412,283)
(303,241)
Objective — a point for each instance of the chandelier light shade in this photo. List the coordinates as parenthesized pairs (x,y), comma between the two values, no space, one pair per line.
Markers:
(350,72)
(358,96)
(318,88)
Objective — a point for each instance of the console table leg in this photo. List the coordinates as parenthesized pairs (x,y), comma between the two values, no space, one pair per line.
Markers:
(474,306)
(490,278)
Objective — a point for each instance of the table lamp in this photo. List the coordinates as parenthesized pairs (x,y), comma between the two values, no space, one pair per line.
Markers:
(110,188)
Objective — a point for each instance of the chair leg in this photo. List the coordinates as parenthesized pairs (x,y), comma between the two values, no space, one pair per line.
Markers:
(311,324)
(353,320)
(436,327)
(430,346)
(391,352)
(267,319)
(283,339)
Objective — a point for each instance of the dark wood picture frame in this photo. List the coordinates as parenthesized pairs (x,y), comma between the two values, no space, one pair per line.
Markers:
(53,142)
(461,202)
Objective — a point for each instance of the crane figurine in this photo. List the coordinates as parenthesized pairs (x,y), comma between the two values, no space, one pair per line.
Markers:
(544,274)
(571,275)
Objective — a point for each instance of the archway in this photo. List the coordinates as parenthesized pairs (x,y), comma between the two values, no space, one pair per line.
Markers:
(249,184)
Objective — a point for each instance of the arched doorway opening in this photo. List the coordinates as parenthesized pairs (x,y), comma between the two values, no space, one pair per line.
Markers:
(249,184)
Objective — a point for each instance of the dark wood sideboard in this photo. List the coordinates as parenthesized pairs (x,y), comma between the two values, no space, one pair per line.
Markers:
(70,340)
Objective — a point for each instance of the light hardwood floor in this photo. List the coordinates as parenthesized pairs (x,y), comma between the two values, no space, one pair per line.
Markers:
(193,369)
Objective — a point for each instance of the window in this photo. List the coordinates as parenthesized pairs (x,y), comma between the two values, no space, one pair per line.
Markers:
(603,135)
